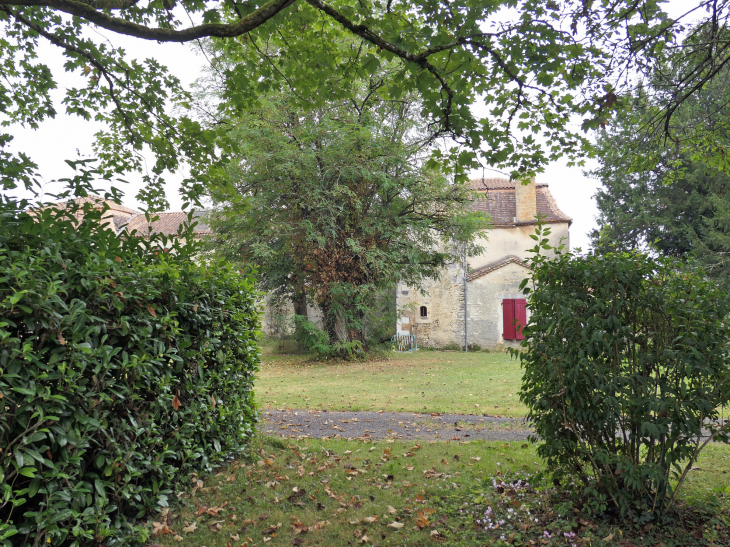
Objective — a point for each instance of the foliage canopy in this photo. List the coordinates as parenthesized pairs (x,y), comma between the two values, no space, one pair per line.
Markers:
(533,63)
(657,194)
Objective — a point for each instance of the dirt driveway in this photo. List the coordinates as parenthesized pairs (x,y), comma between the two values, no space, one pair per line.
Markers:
(392,425)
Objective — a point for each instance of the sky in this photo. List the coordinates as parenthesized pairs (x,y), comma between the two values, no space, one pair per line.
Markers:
(67,137)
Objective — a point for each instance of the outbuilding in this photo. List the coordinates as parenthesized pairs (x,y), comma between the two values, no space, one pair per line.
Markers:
(496,309)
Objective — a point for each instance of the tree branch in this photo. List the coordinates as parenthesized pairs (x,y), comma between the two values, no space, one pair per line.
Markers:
(120,26)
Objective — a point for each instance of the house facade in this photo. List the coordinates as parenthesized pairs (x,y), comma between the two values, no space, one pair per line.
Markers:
(495,308)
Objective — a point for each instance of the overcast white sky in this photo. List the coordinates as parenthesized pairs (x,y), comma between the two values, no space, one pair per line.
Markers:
(67,136)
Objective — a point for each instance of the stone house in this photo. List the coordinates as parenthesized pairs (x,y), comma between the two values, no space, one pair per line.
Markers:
(495,307)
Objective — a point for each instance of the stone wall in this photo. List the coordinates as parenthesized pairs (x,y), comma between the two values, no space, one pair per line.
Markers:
(444,301)
(444,298)
(485,295)
(515,241)
(277,316)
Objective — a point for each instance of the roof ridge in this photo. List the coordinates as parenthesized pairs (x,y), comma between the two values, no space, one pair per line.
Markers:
(497,264)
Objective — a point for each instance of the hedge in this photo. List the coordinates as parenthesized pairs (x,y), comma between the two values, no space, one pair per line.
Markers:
(122,369)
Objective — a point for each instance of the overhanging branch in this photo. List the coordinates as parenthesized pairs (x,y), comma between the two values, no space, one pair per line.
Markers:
(88,12)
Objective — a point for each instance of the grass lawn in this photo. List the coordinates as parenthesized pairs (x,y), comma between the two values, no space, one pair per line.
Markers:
(334,493)
(423,381)
(392,493)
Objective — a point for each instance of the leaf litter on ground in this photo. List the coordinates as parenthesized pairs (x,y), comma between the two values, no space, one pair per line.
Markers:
(303,492)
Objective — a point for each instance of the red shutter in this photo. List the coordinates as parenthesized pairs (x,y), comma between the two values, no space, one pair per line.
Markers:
(508,319)
(521,317)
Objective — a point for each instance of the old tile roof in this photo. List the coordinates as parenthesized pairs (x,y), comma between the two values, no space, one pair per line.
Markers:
(123,219)
(489,268)
(497,198)
(167,223)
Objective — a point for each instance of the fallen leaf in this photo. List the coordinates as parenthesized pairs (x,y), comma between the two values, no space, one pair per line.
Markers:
(396,525)
(365,539)
(152,311)
(190,529)
(61,339)
(177,538)
(299,528)
(392,510)
(160,529)
(371,519)
(176,404)
(608,538)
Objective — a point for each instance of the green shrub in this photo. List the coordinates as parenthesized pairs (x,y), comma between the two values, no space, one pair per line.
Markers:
(626,363)
(311,338)
(122,368)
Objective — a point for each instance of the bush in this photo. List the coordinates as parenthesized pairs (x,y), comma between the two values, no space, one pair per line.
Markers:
(122,369)
(311,338)
(626,363)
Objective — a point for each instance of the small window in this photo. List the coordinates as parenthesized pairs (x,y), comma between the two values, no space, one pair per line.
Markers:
(424,312)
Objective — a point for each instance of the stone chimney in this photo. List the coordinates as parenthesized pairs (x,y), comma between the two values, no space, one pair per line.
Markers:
(525,201)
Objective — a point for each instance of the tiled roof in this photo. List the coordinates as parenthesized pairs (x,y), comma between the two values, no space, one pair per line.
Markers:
(497,198)
(116,208)
(167,223)
(121,218)
(495,183)
(488,268)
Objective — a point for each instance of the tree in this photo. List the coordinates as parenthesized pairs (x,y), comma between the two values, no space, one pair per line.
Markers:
(657,194)
(336,203)
(533,63)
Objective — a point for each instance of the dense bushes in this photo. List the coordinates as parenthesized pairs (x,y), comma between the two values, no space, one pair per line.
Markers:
(626,363)
(121,369)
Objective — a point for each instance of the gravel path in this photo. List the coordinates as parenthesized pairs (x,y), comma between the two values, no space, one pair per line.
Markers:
(392,425)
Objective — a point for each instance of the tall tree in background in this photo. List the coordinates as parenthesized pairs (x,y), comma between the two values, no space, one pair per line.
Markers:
(659,194)
(336,203)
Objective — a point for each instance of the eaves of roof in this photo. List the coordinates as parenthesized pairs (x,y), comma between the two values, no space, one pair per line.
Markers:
(489,268)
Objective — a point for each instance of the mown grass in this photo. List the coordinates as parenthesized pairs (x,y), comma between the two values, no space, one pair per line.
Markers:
(423,381)
(393,493)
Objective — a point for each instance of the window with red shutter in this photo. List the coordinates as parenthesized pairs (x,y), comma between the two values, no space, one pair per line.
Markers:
(508,319)
(514,317)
